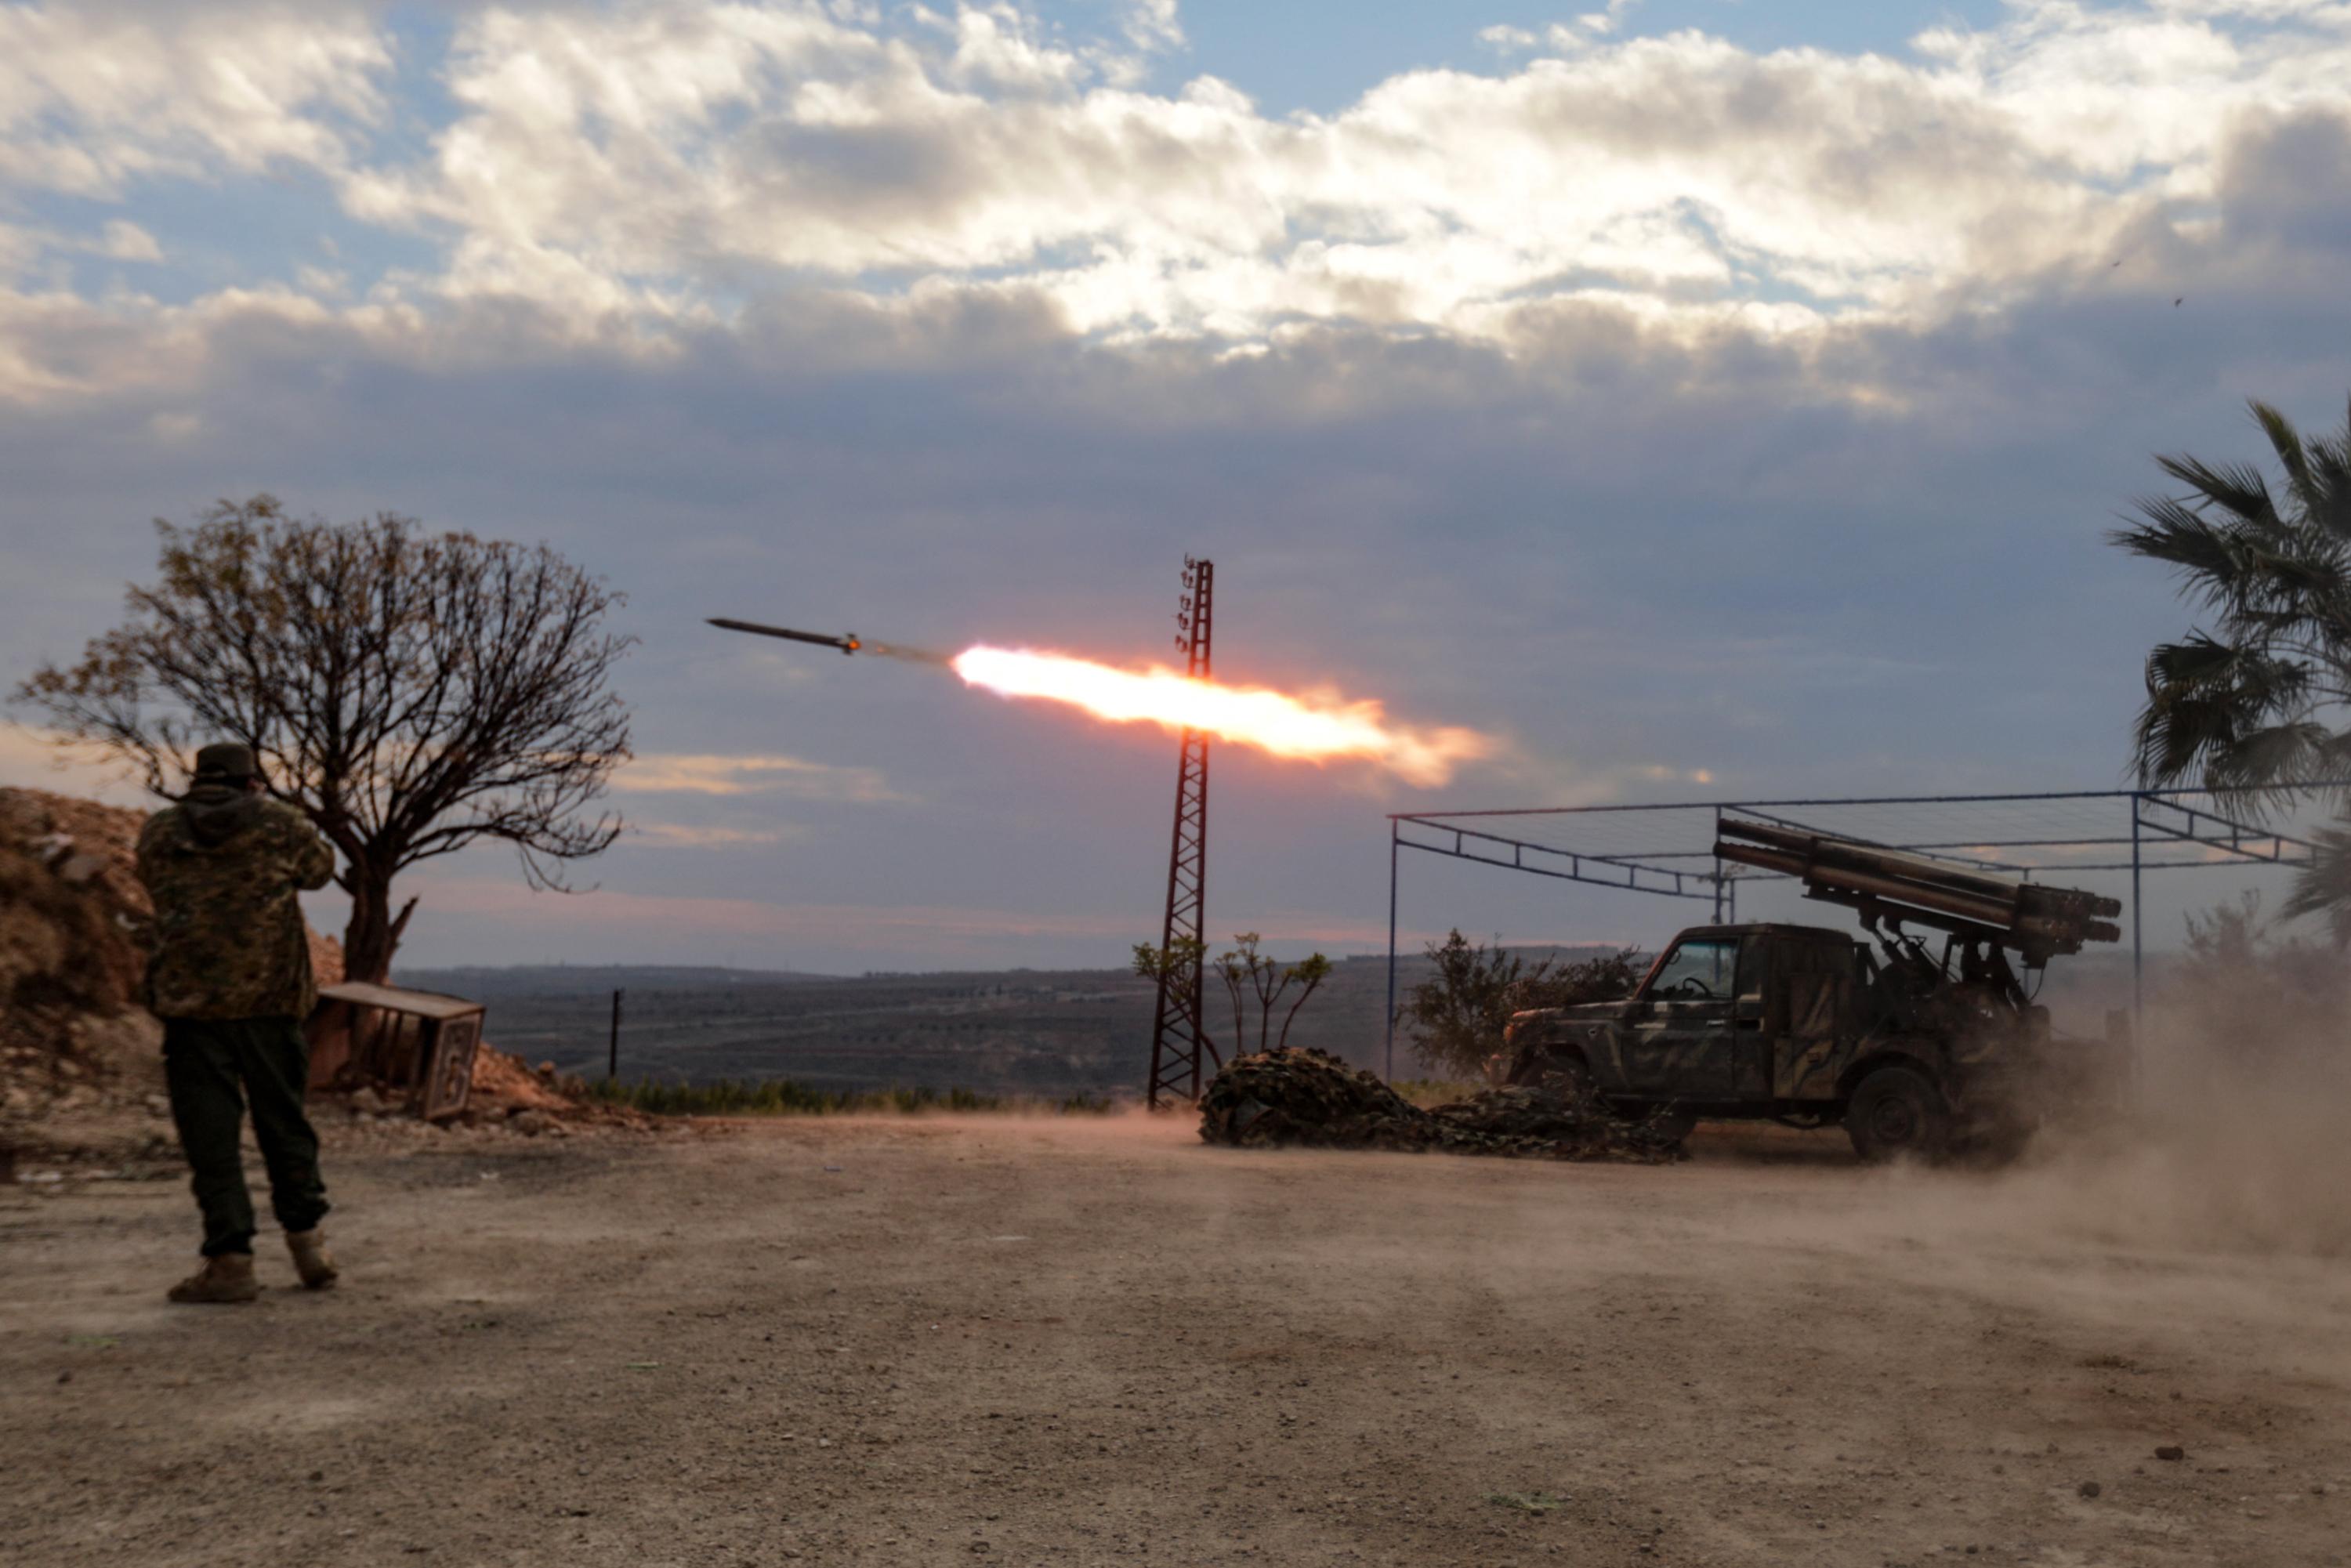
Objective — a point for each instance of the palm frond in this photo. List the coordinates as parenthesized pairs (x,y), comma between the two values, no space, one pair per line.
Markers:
(2327,512)
(2209,555)
(2303,576)
(2274,756)
(2286,442)
(2175,533)
(2237,717)
(2197,665)
(2324,887)
(2176,731)
(2237,489)
(2245,699)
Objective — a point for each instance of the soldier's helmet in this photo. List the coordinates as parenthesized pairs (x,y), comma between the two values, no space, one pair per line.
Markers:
(226,762)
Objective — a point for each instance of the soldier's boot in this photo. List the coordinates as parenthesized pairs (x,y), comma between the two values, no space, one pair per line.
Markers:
(311,1259)
(227,1278)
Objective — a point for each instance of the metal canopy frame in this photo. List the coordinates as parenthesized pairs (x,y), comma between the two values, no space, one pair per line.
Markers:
(2051,831)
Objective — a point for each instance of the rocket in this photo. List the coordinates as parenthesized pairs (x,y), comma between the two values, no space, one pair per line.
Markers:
(848,644)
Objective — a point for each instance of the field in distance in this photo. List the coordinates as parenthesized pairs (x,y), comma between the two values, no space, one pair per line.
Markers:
(1041,1033)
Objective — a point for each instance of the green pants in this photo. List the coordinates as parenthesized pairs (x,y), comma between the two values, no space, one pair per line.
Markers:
(207,1062)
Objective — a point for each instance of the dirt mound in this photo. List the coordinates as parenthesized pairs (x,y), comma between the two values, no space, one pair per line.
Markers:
(1290,1096)
(70,911)
(537,1100)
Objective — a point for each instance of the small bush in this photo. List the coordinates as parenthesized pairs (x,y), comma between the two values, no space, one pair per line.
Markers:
(2267,997)
(1457,1014)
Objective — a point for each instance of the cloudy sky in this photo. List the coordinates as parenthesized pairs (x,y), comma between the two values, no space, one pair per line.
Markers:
(1677,391)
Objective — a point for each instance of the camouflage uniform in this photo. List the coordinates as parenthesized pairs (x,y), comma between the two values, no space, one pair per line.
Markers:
(230,978)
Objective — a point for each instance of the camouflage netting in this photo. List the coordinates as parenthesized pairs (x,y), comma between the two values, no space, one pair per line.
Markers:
(1297,1096)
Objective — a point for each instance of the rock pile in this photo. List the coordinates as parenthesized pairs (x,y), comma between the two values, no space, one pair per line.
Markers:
(537,1100)
(71,914)
(508,1096)
(1290,1096)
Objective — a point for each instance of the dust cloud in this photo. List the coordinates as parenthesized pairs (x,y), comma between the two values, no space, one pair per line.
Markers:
(2234,1136)
(2238,1137)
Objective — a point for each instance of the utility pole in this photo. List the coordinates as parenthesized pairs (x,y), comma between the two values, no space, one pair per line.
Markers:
(1177,1035)
(612,1065)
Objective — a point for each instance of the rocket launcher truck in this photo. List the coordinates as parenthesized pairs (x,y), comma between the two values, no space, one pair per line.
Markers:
(1913,1050)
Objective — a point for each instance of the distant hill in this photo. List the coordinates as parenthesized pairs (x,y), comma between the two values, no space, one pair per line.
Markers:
(486,983)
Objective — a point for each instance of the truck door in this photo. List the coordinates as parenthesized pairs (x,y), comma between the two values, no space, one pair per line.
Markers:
(1810,1049)
(1762,991)
(1680,1046)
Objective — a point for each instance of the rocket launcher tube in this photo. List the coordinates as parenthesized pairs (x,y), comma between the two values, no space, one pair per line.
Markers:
(2026,899)
(1865,857)
(1892,890)
(2037,920)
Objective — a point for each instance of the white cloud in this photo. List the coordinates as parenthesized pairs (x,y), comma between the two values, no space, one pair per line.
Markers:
(93,98)
(125,241)
(1507,38)
(726,776)
(639,158)
(683,835)
(632,172)
(1152,25)
(1606,21)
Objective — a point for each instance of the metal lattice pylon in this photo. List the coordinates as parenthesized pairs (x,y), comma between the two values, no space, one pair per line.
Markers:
(1178,1038)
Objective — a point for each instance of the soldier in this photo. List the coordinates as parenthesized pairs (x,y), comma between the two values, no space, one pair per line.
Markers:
(230,978)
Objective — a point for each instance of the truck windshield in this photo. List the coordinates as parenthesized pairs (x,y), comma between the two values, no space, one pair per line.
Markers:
(1696,971)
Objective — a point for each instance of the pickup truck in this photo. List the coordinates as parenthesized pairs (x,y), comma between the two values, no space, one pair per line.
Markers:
(1808,1027)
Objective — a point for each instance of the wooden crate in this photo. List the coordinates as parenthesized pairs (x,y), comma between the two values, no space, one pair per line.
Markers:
(419,1043)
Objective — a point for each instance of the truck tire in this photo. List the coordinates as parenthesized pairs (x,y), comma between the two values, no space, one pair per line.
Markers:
(1895,1112)
(1535,1065)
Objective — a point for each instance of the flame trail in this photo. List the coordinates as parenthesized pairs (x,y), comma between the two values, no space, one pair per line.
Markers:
(1315,730)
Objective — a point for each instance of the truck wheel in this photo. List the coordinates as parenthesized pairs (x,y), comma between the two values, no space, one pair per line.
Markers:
(1536,1065)
(1896,1111)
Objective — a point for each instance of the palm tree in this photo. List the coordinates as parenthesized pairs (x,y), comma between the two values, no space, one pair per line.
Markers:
(2260,698)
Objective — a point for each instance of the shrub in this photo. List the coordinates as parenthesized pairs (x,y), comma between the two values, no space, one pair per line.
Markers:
(1457,1014)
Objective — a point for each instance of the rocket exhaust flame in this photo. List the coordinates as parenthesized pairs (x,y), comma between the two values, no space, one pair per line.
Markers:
(912,655)
(1314,728)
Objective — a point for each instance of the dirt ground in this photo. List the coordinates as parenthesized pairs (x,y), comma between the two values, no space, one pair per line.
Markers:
(1093,1340)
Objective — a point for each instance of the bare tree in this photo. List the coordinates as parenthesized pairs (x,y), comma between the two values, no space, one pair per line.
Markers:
(1249,974)
(413,692)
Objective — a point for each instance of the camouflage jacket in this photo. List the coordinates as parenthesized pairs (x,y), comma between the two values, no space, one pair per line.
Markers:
(230,942)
